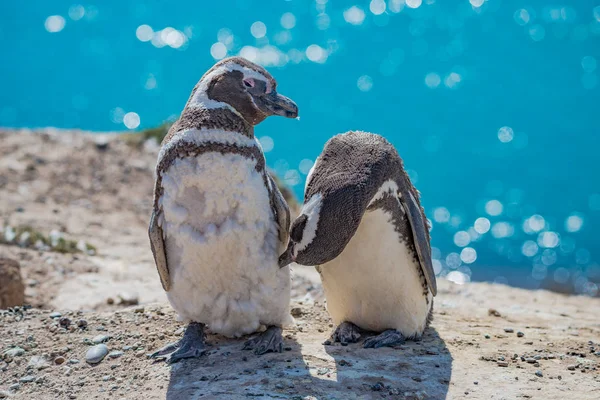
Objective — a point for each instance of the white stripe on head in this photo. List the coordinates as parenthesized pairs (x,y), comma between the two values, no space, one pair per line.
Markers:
(389,186)
(201,100)
(311,209)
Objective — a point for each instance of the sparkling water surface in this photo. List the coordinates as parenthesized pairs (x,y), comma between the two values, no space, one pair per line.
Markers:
(494,105)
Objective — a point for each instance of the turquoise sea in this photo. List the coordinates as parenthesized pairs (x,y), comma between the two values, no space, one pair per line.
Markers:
(494,105)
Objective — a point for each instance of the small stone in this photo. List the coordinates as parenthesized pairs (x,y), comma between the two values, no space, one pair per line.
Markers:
(128,299)
(494,313)
(279,386)
(509,330)
(73,361)
(530,360)
(571,367)
(487,336)
(502,363)
(64,322)
(140,353)
(110,301)
(59,360)
(14,387)
(14,352)
(539,373)
(4,394)
(55,314)
(520,334)
(296,311)
(96,354)
(82,323)
(38,362)
(139,310)
(115,354)
(27,379)
(378,387)
(100,339)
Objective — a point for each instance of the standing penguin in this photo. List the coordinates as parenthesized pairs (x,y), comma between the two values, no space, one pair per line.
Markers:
(219,221)
(363,226)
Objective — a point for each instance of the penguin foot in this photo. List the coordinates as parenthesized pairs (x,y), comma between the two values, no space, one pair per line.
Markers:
(388,338)
(269,340)
(191,345)
(345,333)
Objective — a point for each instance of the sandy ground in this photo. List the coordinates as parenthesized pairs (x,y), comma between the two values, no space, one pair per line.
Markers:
(486,341)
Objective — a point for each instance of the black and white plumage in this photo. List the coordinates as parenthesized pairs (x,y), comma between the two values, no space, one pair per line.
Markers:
(363,226)
(219,221)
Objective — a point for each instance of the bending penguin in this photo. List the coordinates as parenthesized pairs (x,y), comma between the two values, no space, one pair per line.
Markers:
(363,227)
(219,221)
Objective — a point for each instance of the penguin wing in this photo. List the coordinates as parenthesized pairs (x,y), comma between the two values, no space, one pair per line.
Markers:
(419,225)
(157,244)
(281,211)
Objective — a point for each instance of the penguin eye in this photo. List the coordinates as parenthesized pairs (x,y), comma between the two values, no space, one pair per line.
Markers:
(249,82)
(297,230)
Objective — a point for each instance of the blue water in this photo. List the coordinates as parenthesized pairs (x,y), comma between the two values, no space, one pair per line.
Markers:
(494,105)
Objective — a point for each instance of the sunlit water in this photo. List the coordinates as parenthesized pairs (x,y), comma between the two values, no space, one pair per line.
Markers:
(494,105)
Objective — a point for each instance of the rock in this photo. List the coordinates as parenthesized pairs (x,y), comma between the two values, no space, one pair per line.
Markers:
(12,289)
(520,334)
(296,311)
(128,299)
(571,367)
(14,352)
(509,330)
(55,314)
(96,354)
(139,309)
(100,339)
(64,322)
(59,360)
(503,363)
(494,313)
(38,362)
(27,379)
(115,354)
(82,323)
(539,373)
(4,394)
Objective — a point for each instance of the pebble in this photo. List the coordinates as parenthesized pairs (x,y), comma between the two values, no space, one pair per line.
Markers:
(14,387)
(96,354)
(59,360)
(571,367)
(520,334)
(55,314)
(530,360)
(140,353)
(503,363)
(82,323)
(539,373)
(115,354)
(487,336)
(27,379)
(14,352)
(4,394)
(128,299)
(38,362)
(378,387)
(64,322)
(296,311)
(100,339)
(139,309)
(509,330)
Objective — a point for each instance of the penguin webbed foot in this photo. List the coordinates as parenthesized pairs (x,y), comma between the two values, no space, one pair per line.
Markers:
(345,333)
(191,345)
(270,340)
(388,338)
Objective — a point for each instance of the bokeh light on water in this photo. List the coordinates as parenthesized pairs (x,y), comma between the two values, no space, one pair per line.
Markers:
(492,104)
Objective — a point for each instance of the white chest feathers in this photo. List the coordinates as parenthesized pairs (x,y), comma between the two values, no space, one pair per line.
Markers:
(222,245)
(375,282)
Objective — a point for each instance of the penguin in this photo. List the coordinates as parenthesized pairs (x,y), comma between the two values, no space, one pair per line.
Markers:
(219,222)
(363,226)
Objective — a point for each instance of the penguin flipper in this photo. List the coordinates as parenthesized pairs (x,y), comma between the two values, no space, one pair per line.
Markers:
(418,225)
(281,211)
(157,245)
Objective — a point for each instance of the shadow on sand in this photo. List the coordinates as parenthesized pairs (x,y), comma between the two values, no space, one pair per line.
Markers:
(414,370)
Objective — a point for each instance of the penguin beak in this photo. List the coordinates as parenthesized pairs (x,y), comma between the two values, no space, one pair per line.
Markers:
(274,103)
(287,258)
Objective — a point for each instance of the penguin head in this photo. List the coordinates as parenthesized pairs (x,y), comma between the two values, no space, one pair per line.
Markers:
(245,87)
(323,229)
